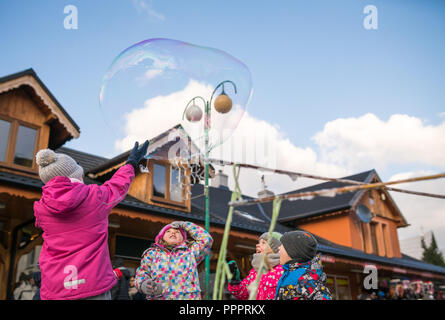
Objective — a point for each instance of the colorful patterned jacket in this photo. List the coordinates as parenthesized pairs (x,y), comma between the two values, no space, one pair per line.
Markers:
(176,269)
(303,281)
(266,288)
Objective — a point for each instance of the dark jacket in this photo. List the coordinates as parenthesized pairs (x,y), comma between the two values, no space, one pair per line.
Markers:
(305,281)
(37,276)
(120,290)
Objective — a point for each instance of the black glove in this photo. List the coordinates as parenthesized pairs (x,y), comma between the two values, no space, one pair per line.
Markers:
(137,154)
(235,272)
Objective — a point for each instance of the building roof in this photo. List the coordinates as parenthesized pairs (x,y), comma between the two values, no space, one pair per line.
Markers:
(253,218)
(294,210)
(31,72)
(405,261)
(299,209)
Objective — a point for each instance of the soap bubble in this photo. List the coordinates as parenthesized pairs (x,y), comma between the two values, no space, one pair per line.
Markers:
(148,86)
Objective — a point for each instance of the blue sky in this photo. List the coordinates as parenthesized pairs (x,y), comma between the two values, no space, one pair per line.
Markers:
(312,62)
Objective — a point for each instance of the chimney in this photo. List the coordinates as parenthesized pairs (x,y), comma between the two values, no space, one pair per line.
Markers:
(264,193)
(220,180)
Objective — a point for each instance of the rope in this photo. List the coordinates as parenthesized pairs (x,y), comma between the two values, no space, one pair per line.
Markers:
(310,176)
(334,191)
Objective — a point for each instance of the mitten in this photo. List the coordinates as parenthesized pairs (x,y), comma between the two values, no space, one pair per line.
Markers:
(179,224)
(137,154)
(234,270)
(151,288)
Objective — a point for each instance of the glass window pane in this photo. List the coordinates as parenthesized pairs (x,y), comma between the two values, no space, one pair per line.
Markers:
(24,148)
(159,173)
(4,137)
(176,185)
(343,290)
(375,247)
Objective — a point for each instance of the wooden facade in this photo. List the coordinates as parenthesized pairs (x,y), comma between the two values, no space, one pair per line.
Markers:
(379,237)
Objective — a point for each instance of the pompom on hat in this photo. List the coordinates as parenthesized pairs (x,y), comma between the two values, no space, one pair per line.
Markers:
(53,164)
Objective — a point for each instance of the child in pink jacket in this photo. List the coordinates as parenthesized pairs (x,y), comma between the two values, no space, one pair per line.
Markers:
(269,279)
(75,260)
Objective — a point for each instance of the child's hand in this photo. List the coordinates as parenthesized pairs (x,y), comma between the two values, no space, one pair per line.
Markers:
(152,288)
(234,270)
(178,224)
(137,154)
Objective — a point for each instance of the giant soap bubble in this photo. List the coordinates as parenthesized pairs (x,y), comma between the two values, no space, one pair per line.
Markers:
(160,86)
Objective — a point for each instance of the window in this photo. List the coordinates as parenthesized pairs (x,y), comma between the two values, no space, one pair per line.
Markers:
(24,148)
(4,138)
(168,183)
(375,246)
(176,185)
(131,248)
(385,241)
(159,172)
(339,287)
(17,143)
(364,236)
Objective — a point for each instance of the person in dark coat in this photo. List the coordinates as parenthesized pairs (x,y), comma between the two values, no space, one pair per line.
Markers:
(303,278)
(134,293)
(37,276)
(120,290)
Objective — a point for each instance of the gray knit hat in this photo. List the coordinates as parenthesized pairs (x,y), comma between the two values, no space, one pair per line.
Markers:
(300,245)
(275,242)
(53,164)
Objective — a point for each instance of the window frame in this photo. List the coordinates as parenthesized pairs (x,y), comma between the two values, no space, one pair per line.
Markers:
(167,199)
(12,142)
(374,237)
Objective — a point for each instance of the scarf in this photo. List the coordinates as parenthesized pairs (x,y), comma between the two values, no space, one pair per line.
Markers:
(272,260)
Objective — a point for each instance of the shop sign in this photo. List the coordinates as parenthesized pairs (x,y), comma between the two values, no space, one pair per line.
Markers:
(370,266)
(427,275)
(329,259)
(398,270)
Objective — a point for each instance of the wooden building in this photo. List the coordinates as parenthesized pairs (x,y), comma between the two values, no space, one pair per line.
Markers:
(32,119)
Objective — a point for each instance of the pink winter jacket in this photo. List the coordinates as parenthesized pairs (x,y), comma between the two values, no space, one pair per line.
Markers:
(266,288)
(75,260)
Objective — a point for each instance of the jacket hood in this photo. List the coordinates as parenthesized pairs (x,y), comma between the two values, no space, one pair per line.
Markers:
(60,195)
(314,265)
(164,229)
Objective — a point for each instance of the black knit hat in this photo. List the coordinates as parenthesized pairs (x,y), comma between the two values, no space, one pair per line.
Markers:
(301,246)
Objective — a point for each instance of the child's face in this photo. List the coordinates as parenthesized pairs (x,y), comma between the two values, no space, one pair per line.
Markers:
(173,236)
(262,246)
(284,257)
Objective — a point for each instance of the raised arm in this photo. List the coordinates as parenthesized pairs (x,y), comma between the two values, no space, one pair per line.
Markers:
(114,190)
(239,290)
(202,239)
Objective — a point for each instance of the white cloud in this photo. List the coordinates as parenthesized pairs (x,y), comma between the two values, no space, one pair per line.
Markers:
(402,139)
(147,8)
(421,212)
(153,73)
(254,141)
